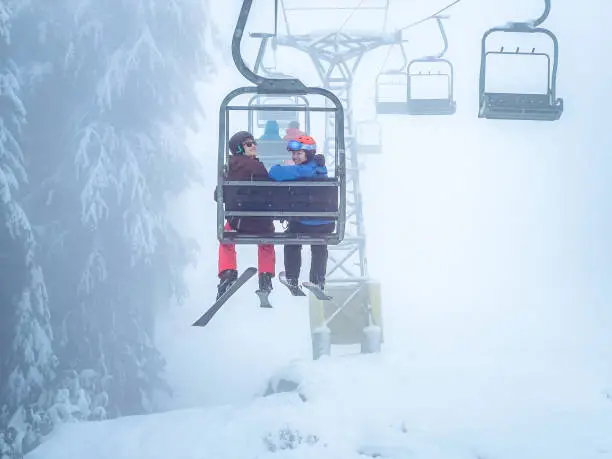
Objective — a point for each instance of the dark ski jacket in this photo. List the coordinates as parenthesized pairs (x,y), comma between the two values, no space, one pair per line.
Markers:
(246,168)
(313,169)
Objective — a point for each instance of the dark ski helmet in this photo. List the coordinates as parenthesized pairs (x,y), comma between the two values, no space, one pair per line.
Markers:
(236,141)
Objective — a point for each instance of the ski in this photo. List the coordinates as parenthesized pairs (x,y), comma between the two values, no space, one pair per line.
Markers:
(295,291)
(264,302)
(320,294)
(208,315)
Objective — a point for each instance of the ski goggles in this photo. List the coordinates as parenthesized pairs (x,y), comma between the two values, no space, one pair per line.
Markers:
(294,145)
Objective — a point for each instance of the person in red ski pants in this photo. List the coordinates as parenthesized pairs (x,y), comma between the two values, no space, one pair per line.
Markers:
(244,165)
(266,261)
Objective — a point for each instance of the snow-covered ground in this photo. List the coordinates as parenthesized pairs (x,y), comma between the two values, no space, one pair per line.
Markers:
(387,405)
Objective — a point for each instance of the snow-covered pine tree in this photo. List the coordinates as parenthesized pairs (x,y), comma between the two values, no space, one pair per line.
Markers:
(111,94)
(27,360)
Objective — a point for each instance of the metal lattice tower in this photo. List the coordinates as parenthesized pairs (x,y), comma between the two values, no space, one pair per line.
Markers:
(336,56)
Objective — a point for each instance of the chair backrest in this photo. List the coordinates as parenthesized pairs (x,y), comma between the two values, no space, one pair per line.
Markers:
(299,198)
(271,152)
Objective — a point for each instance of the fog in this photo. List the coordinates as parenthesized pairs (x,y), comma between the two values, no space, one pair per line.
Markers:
(490,238)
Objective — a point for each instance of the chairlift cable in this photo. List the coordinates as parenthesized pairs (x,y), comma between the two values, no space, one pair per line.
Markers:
(432,16)
(386,17)
(350,16)
(284,10)
(275,18)
(386,59)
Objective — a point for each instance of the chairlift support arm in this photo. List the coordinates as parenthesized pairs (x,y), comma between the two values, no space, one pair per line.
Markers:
(444,38)
(438,56)
(404,67)
(265,85)
(544,14)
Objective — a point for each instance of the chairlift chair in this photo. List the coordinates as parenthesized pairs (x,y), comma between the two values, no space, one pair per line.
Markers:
(368,137)
(271,152)
(431,106)
(324,198)
(396,104)
(395,81)
(282,117)
(522,106)
(279,200)
(446,105)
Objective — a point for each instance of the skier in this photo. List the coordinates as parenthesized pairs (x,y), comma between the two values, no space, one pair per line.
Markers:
(244,165)
(293,131)
(304,164)
(271,131)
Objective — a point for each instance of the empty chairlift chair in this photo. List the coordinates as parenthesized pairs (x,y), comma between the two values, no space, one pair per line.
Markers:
(521,105)
(438,73)
(391,93)
(368,137)
(271,148)
(431,75)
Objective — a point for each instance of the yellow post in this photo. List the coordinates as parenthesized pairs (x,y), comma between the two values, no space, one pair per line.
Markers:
(347,326)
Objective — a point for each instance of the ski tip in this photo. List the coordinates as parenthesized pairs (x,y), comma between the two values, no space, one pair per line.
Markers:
(242,279)
(320,294)
(263,299)
(200,323)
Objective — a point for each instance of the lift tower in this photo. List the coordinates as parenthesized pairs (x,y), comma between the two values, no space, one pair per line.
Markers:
(336,56)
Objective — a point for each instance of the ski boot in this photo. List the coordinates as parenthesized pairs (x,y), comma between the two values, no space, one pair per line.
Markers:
(265,282)
(294,287)
(320,284)
(226,279)
(265,287)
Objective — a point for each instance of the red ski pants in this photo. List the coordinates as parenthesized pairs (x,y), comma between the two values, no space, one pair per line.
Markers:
(266,256)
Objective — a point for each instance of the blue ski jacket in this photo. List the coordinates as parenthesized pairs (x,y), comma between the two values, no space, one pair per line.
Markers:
(308,170)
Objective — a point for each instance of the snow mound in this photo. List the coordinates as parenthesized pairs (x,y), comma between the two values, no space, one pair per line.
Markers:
(366,406)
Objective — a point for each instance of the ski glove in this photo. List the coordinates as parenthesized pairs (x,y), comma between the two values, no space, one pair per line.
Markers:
(319,159)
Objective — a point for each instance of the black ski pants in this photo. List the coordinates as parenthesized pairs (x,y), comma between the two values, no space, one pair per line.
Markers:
(318,252)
